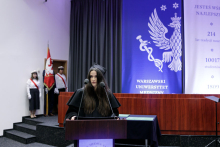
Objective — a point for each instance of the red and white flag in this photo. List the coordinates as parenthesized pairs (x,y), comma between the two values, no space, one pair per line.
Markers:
(49,75)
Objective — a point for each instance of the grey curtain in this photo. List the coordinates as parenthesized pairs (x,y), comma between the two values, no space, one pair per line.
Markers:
(95,36)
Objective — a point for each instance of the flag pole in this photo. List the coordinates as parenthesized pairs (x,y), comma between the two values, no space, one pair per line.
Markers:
(49,82)
(47,104)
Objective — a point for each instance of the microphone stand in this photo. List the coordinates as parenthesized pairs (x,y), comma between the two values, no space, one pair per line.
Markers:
(103,85)
(86,81)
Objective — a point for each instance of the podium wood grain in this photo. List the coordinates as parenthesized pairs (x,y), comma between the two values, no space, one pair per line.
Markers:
(183,114)
(96,129)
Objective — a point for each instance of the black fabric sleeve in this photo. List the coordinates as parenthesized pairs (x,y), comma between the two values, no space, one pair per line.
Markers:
(116,112)
(43,78)
(54,80)
(76,98)
(72,111)
(113,100)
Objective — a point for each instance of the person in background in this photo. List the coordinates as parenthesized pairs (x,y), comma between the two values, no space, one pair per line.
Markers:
(61,85)
(50,97)
(34,93)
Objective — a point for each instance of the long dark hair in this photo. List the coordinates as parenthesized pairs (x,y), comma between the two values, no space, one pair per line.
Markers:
(33,77)
(90,93)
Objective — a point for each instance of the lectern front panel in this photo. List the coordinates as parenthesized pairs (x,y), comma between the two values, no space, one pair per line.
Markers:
(96,143)
(96,129)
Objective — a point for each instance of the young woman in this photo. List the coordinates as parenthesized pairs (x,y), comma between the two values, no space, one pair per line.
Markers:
(34,93)
(95,102)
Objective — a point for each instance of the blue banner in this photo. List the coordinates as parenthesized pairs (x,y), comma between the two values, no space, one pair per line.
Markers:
(151,47)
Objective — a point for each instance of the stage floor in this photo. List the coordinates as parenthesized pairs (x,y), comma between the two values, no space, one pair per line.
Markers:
(48,134)
(40,131)
(47,121)
(6,142)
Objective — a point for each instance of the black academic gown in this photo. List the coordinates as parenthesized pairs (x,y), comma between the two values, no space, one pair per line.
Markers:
(74,103)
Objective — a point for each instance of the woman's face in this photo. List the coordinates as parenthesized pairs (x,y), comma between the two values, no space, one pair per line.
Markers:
(34,75)
(93,78)
(61,71)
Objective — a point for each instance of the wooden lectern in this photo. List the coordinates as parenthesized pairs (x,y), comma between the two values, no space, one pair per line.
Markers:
(95,129)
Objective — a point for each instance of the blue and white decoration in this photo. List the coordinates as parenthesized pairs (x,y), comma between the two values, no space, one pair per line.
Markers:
(96,143)
(202,46)
(151,47)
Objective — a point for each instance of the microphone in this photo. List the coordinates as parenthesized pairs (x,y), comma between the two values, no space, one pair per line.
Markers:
(102,84)
(86,81)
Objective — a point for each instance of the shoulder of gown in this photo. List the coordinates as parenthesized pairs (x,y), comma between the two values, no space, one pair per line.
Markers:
(76,98)
(114,102)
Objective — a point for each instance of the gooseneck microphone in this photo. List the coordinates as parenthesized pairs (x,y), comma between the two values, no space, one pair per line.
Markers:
(102,84)
(86,81)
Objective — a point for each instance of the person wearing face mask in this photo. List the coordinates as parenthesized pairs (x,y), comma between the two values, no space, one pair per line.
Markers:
(34,93)
(95,102)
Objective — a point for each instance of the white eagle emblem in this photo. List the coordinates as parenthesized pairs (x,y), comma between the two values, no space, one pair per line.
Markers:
(158,31)
(49,67)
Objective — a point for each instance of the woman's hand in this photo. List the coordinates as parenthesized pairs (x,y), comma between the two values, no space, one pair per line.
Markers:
(73,118)
(29,97)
